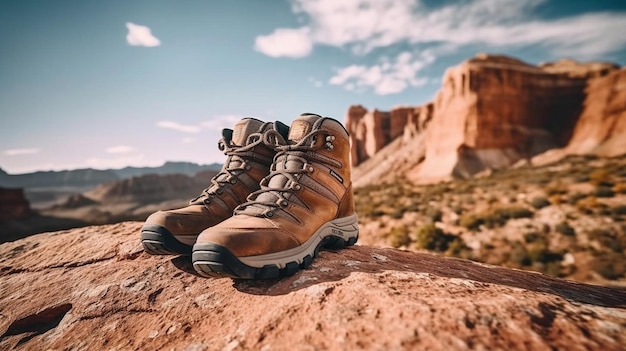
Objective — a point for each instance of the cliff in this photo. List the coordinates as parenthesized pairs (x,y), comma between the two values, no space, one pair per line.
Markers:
(491,112)
(601,129)
(94,288)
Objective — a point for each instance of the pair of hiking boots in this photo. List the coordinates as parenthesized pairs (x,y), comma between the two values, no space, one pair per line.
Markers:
(282,194)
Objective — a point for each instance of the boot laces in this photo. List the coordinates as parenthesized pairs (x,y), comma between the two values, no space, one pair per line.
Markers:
(235,165)
(290,164)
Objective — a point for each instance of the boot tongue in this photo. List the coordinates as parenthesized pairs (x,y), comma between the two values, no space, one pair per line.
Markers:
(238,137)
(244,128)
(302,126)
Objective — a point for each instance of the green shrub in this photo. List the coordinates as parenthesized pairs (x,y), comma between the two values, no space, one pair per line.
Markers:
(397,213)
(470,221)
(619,210)
(519,256)
(494,217)
(399,236)
(565,229)
(604,191)
(434,214)
(539,252)
(539,202)
(553,268)
(575,197)
(532,237)
(430,237)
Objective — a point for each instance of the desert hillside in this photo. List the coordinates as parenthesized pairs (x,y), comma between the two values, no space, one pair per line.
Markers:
(94,288)
(566,219)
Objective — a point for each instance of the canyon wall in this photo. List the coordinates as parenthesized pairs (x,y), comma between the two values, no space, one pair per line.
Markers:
(601,128)
(492,111)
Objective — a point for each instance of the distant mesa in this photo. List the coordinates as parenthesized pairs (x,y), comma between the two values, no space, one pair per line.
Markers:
(13,204)
(151,188)
(92,177)
(491,112)
(76,201)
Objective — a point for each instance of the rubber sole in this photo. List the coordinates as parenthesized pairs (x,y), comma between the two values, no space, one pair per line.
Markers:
(214,260)
(157,240)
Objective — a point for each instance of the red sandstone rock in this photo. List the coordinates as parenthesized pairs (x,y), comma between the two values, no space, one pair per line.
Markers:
(601,129)
(13,204)
(93,288)
(370,131)
(493,111)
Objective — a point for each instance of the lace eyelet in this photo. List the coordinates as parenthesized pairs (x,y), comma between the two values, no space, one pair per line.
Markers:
(219,191)
(233,180)
(269,214)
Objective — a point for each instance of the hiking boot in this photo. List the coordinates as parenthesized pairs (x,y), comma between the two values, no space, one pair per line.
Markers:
(305,203)
(248,160)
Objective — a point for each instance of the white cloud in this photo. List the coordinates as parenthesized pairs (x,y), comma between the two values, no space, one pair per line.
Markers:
(188,140)
(217,123)
(120,149)
(139,35)
(285,42)
(179,127)
(386,77)
(364,25)
(18,152)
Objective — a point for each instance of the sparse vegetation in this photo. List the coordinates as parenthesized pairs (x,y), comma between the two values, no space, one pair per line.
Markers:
(494,217)
(587,193)
(565,229)
(539,202)
(430,237)
(604,191)
(399,236)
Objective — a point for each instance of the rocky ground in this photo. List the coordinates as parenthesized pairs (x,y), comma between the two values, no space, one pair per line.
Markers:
(566,219)
(93,288)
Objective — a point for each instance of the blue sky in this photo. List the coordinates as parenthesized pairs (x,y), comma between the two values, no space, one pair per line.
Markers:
(106,84)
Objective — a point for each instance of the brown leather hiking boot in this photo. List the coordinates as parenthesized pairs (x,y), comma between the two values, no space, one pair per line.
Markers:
(305,203)
(248,160)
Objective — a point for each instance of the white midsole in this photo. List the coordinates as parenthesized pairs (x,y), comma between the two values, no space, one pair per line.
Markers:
(345,228)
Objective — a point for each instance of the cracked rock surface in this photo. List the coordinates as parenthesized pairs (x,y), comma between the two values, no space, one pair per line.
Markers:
(94,288)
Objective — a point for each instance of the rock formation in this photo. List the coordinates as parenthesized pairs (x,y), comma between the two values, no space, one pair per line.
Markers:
(13,204)
(491,112)
(150,188)
(93,288)
(370,131)
(601,129)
